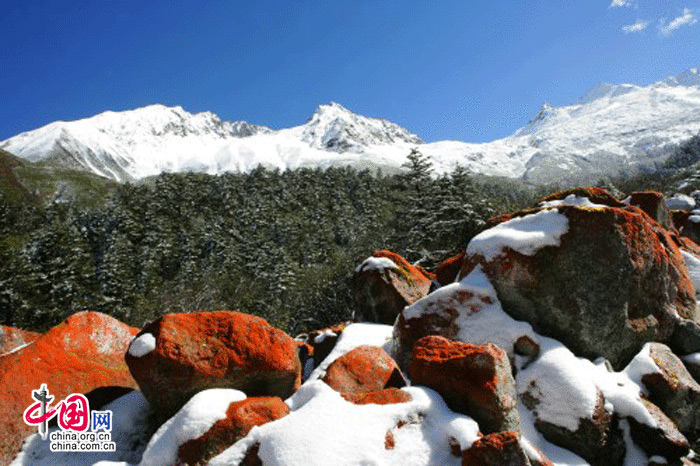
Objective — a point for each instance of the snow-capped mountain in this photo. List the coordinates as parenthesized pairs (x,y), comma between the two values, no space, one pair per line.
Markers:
(612,129)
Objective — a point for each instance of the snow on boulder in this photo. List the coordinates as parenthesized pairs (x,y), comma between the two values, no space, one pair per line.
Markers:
(472,379)
(664,439)
(386,283)
(594,196)
(673,389)
(554,267)
(503,448)
(241,417)
(194,420)
(80,354)
(680,202)
(654,205)
(322,341)
(221,349)
(12,338)
(324,429)
(467,311)
(364,369)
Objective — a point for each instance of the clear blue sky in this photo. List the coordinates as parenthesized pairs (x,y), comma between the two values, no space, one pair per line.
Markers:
(466,70)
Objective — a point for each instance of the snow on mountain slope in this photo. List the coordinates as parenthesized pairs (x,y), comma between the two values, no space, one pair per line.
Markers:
(612,129)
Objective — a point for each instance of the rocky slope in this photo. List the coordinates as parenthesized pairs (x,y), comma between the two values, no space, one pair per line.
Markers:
(481,367)
(612,130)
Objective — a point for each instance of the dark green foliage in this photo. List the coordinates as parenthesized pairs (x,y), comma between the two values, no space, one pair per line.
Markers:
(281,245)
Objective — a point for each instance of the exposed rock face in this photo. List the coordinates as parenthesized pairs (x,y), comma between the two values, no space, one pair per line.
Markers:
(446,271)
(83,353)
(500,449)
(674,390)
(472,379)
(564,290)
(381,397)
(663,440)
(654,205)
(241,417)
(364,369)
(12,338)
(386,283)
(222,349)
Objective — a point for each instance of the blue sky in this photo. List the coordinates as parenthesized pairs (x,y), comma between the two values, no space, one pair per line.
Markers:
(465,70)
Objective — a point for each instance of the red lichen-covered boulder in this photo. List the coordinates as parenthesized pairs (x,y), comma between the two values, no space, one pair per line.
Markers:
(241,417)
(500,449)
(12,338)
(674,390)
(364,369)
(83,353)
(653,204)
(179,355)
(561,285)
(382,397)
(386,283)
(446,271)
(472,379)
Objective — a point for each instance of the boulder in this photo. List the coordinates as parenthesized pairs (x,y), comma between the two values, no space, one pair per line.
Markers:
(446,271)
(474,380)
(467,311)
(386,283)
(179,355)
(382,397)
(686,337)
(595,195)
(83,353)
(323,341)
(241,417)
(674,390)
(663,440)
(501,449)
(690,227)
(653,204)
(692,363)
(364,369)
(553,268)
(13,338)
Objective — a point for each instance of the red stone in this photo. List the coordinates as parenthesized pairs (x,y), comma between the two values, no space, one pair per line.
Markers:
(446,271)
(382,397)
(83,353)
(221,349)
(364,369)
(473,379)
(381,295)
(241,417)
(497,449)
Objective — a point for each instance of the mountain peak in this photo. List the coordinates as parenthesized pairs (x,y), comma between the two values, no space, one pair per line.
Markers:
(690,77)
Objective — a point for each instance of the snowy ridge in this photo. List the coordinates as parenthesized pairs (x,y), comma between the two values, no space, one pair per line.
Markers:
(612,129)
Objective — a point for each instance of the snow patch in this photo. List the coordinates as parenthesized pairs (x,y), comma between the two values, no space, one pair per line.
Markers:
(142,345)
(693,358)
(573,199)
(321,337)
(692,264)
(525,235)
(680,202)
(378,264)
(359,438)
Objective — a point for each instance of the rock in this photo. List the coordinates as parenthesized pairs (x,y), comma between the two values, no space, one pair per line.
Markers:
(686,337)
(83,353)
(364,369)
(386,283)
(654,205)
(13,338)
(467,311)
(323,341)
(692,363)
(595,195)
(690,228)
(597,439)
(179,355)
(502,449)
(381,397)
(663,440)
(446,271)
(241,417)
(474,380)
(674,390)
(553,269)
(680,202)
